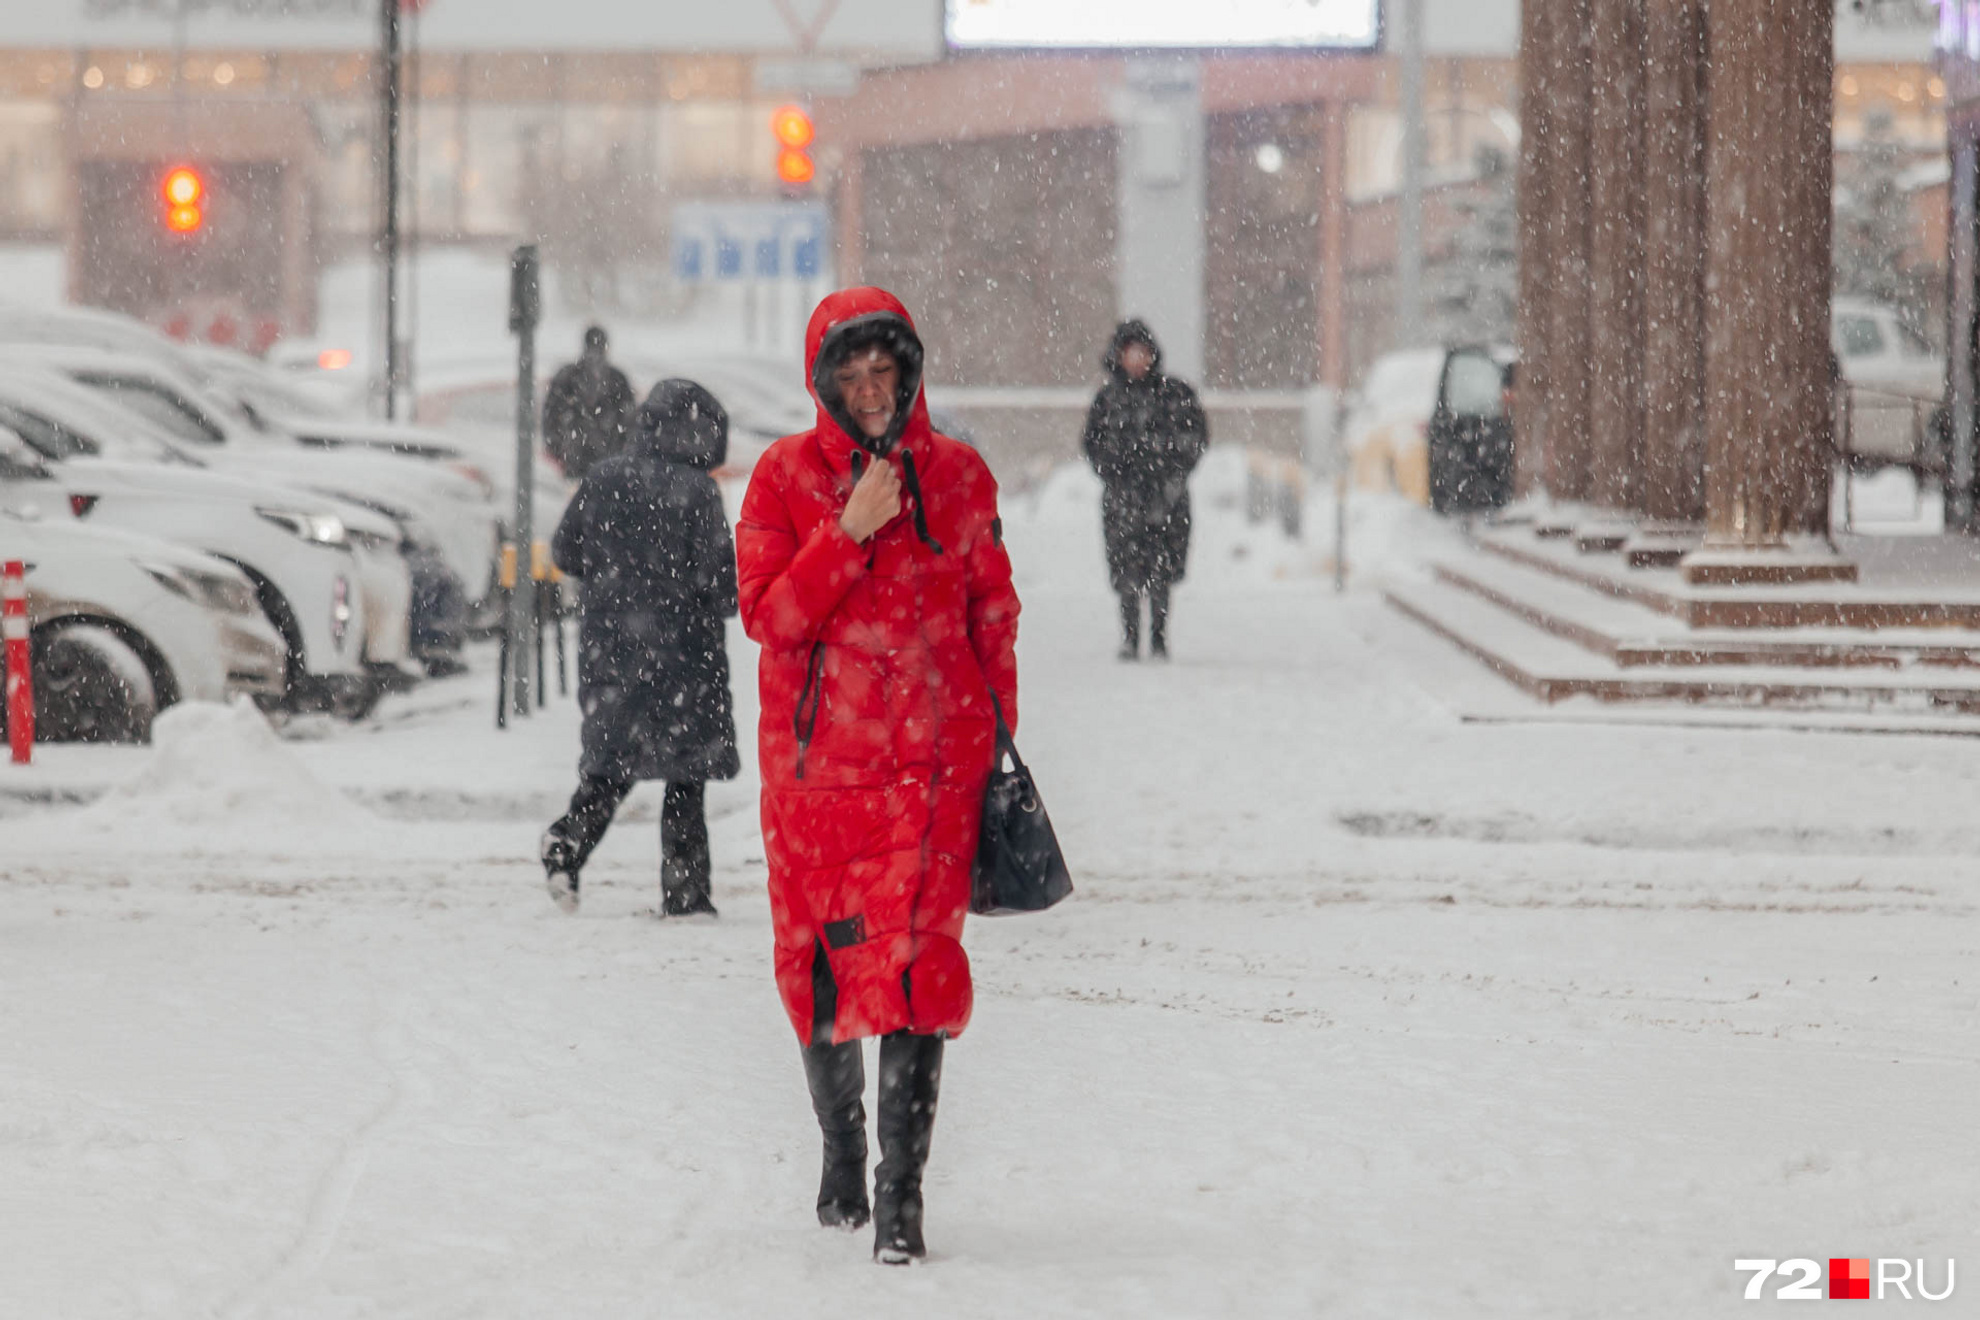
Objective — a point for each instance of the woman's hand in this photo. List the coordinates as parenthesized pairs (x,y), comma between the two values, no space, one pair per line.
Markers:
(875,502)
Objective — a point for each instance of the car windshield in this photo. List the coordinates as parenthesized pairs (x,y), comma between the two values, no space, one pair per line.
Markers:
(1914,345)
(1859,336)
(1474,386)
(156,405)
(18,459)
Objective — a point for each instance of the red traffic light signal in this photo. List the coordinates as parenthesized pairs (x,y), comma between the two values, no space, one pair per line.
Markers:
(184,194)
(794,131)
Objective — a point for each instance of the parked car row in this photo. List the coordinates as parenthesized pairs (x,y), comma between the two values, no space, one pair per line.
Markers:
(365,551)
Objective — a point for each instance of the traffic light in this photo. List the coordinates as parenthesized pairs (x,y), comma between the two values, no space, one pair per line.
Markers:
(185,197)
(794,131)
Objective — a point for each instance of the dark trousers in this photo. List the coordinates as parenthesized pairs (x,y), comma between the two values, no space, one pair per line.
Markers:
(684,858)
(1158,617)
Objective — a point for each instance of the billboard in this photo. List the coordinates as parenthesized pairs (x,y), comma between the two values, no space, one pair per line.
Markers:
(1164,24)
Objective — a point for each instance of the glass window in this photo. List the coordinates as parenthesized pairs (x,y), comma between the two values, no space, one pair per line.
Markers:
(1859,336)
(1912,344)
(154,404)
(51,440)
(18,461)
(1474,386)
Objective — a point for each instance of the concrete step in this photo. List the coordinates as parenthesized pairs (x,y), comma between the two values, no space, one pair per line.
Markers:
(1552,668)
(1831,604)
(1632,634)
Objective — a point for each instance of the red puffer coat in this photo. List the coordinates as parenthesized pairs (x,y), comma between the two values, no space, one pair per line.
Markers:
(879,660)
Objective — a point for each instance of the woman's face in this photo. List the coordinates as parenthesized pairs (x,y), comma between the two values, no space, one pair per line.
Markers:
(1136,359)
(869,383)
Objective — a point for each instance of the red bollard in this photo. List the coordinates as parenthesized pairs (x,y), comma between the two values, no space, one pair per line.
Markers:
(20,679)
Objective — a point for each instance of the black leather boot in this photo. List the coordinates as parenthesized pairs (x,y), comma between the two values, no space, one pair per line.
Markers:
(837,1078)
(910,1082)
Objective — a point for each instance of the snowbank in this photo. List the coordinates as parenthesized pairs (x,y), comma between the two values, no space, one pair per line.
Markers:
(220,770)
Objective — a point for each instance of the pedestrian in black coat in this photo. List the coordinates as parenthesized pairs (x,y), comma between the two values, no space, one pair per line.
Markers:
(588,409)
(648,541)
(1144,435)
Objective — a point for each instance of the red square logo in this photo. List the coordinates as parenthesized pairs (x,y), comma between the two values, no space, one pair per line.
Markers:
(1849,1280)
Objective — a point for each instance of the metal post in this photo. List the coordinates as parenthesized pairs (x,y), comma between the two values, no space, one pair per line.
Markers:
(388,242)
(525,309)
(1409,216)
(539,574)
(557,621)
(506,581)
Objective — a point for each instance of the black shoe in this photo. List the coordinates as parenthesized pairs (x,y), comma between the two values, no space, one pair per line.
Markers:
(1158,649)
(910,1083)
(837,1078)
(688,905)
(1128,651)
(560,871)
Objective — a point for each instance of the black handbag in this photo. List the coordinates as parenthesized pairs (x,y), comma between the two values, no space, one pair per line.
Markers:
(1019,867)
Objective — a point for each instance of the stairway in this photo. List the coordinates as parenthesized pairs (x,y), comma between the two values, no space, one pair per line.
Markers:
(1560,622)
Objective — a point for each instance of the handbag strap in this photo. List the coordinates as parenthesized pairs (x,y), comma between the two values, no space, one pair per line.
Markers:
(1006,745)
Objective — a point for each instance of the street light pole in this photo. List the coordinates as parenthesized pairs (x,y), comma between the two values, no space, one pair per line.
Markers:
(1409,217)
(389,231)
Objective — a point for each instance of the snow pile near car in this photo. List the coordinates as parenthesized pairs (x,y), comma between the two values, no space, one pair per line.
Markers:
(214,769)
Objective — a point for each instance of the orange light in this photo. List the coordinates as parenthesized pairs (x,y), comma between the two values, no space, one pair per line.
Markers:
(184,219)
(334,359)
(183,187)
(792,126)
(795,167)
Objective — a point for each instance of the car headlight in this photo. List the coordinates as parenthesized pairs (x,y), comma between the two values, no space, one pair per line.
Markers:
(322,528)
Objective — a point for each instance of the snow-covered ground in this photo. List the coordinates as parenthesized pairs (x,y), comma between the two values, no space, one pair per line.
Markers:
(1360,1010)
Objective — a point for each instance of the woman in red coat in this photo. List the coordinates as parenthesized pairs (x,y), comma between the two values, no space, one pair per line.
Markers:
(872,571)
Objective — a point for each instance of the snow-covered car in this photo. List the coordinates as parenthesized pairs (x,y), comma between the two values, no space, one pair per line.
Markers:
(124,626)
(310,580)
(1895,379)
(436,507)
(485,455)
(1386,433)
(67,420)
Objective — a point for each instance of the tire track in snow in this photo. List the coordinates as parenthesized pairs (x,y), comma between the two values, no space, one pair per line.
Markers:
(330,1198)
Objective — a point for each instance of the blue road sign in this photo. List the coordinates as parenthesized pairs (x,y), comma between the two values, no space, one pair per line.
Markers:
(728,241)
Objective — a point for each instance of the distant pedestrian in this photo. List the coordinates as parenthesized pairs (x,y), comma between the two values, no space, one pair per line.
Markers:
(1144,435)
(648,541)
(588,410)
(874,576)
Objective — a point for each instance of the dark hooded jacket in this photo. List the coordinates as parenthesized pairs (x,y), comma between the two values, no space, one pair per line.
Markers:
(1144,437)
(648,539)
(587,413)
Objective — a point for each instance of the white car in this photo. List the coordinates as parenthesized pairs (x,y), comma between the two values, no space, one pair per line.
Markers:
(1387,427)
(296,547)
(125,625)
(443,509)
(483,454)
(1896,382)
(69,423)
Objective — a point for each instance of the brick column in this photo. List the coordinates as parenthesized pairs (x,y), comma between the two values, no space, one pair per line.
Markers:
(1536,253)
(1569,91)
(1768,180)
(1615,255)
(1674,266)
